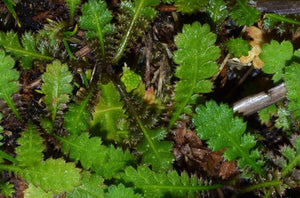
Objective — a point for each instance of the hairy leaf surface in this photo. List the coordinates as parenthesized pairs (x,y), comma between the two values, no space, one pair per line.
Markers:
(36,192)
(56,86)
(53,175)
(121,191)
(275,57)
(292,155)
(72,5)
(217,10)
(95,18)
(161,184)
(196,56)
(238,47)
(92,187)
(8,81)
(243,14)
(25,52)
(155,151)
(292,83)
(216,124)
(30,149)
(109,115)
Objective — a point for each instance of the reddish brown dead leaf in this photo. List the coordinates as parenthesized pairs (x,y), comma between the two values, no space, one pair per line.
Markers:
(227,169)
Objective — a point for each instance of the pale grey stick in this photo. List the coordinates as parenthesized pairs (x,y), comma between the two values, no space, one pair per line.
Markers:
(252,104)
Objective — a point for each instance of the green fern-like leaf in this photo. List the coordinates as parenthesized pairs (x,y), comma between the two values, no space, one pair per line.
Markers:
(109,115)
(243,14)
(161,184)
(138,8)
(217,10)
(130,79)
(266,113)
(238,47)
(283,121)
(72,5)
(7,189)
(95,18)
(77,114)
(292,154)
(26,52)
(190,6)
(92,187)
(115,162)
(155,151)
(52,175)
(121,191)
(91,154)
(196,57)
(275,57)
(29,151)
(216,124)
(56,86)
(36,192)
(8,81)
(292,84)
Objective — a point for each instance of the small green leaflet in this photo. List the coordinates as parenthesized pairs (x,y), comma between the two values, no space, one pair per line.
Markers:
(72,5)
(121,191)
(238,47)
(243,14)
(275,57)
(130,79)
(227,131)
(217,10)
(190,6)
(36,192)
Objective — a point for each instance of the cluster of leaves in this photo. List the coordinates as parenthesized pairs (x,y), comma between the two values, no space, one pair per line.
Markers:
(94,133)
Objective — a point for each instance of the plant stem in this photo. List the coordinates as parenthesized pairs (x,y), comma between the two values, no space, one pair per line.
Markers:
(282,18)
(125,40)
(266,184)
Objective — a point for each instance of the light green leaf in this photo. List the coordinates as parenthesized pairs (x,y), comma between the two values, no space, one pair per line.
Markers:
(238,47)
(196,56)
(121,191)
(36,192)
(30,149)
(7,189)
(130,79)
(8,81)
(266,113)
(56,86)
(216,124)
(72,5)
(190,6)
(275,57)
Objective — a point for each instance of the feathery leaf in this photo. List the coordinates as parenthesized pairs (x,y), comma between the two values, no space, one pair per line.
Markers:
(243,14)
(292,154)
(8,81)
(72,5)
(30,149)
(56,86)
(161,184)
(7,189)
(121,191)
(216,124)
(92,187)
(196,57)
(26,52)
(292,83)
(238,47)
(52,175)
(275,57)
(95,18)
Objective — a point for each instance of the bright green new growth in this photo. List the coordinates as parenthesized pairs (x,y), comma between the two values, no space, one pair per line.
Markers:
(121,191)
(196,56)
(72,5)
(275,57)
(283,121)
(36,192)
(106,161)
(141,7)
(91,187)
(8,81)
(292,154)
(109,114)
(155,151)
(29,151)
(217,10)
(56,86)
(243,14)
(95,18)
(26,52)
(216,124)
(77,114)
(292,84)
(190,6)
(238,47)
(156,185)
(130,79)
